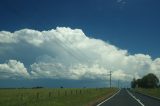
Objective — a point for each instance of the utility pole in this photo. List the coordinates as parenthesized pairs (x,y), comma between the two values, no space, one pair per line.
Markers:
(110,78)
(110,74)
(118,83)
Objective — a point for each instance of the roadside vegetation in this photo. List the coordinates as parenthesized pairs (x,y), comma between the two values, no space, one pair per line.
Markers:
(54,97)
(152,92)
(148,81)
(149,85)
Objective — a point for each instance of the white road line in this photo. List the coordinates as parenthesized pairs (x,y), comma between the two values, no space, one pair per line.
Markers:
(108,98)
(135,98)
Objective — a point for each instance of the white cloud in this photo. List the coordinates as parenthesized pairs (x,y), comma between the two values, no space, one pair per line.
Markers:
(65,53)
(13,69)
(60,71)
(121,3)
(118,1)
(30,36)
(7,37)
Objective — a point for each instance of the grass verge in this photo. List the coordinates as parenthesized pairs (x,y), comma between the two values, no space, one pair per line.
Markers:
(152,92)
(54,97)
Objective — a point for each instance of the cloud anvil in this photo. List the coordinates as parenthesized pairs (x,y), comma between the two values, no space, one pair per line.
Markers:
(65,53)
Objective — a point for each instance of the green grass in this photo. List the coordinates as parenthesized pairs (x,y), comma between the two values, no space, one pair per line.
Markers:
(53,97)
(153,92)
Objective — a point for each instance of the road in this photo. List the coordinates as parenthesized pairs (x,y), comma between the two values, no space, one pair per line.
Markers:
(128,98)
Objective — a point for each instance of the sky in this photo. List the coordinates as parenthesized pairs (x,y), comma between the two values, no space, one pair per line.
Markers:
(76,43)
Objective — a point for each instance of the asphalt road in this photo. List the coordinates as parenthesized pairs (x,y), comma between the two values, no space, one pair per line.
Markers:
(128,98)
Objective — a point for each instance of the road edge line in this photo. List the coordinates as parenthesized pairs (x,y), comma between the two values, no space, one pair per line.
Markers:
(153,97)
(109,98)
(135,98)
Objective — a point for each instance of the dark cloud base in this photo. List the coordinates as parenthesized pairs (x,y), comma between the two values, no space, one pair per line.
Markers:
(53,83)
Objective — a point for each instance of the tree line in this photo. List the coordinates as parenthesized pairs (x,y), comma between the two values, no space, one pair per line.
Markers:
(148,81)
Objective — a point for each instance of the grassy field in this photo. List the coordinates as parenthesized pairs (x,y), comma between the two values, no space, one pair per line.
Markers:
(153,92)
(53,97)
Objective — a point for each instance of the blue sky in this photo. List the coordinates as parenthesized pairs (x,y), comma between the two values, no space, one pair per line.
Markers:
(131,25)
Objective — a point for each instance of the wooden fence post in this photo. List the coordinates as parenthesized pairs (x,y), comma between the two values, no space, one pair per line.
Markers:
(58,93)
(65,93)
(21,97)
(49,94)
(37,95)
(76,91)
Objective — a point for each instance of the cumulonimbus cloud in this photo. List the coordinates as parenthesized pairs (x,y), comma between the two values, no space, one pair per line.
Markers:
(13,69)
(65,53)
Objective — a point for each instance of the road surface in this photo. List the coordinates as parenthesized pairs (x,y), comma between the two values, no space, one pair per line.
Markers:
(128,98)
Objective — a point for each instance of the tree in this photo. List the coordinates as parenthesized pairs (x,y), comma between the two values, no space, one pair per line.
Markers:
(133,83)
(139,83)
(150,81)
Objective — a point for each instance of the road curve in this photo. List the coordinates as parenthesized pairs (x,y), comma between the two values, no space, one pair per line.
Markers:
(128,98)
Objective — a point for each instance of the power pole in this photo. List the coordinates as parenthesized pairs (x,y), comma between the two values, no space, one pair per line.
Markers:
(110,79)
(118,83)
(110,74)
